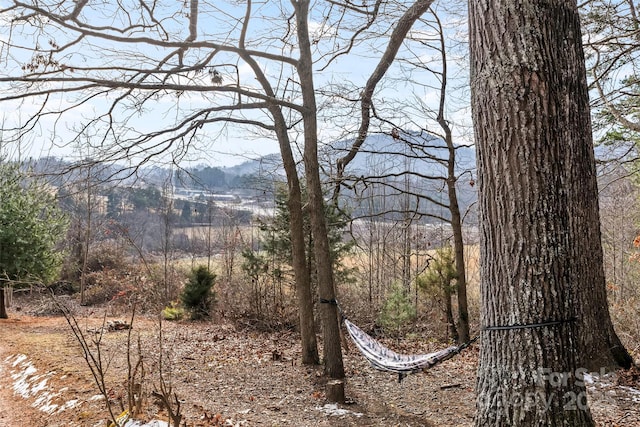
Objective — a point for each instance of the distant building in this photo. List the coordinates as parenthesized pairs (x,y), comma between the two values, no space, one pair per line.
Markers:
(191,195)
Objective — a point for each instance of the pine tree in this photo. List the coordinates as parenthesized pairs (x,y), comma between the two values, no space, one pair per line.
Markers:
(276,242)
(397,310)
(31,225)
(198,295)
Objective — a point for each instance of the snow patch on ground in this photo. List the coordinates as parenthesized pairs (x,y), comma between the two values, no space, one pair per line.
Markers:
(28,384)
(634,393)
(605,385)
(332,410)
(155,423)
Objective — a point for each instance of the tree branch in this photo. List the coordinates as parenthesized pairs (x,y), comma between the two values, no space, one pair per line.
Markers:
(397,37)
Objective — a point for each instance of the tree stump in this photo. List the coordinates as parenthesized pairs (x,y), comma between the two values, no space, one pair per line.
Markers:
(335,391)
(3,309)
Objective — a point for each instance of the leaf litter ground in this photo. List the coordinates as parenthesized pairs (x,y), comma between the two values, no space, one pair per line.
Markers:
(223,375)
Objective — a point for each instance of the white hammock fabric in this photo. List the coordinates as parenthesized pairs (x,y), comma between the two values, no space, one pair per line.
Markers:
(385,359)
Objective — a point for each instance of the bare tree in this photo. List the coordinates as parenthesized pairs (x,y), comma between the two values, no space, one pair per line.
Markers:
(612,32)
(194,68)
(619,219)
(424,158)
(453,173)
(155,53)
(80,196)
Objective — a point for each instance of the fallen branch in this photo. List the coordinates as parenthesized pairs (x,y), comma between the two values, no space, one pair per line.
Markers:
(447,386)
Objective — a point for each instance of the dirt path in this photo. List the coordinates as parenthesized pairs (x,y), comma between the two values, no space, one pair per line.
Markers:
(14,411)
(4,390)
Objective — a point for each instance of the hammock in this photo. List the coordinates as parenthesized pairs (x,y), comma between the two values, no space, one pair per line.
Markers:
(385,359)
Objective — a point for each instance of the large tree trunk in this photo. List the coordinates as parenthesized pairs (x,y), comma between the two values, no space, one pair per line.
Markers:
(310,353)
(333,367)
(538,212)
(302,277)
(600,346)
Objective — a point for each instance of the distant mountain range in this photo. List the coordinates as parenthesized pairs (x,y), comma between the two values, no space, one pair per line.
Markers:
(384,168)
(404,175)
(418,152)
(414,151)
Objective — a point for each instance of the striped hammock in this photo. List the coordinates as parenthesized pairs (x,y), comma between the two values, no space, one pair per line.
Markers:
(385,359)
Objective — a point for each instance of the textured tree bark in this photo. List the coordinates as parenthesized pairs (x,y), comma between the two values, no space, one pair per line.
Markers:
(540,251)
(310,355)
(333,364)
(458,241)
(335,391)
(600,346)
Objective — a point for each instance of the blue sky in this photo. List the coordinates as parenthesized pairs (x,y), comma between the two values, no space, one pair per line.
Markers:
(220,21)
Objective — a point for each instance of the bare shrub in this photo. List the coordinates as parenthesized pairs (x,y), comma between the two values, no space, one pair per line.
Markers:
(98,359)
(354,299)
(156,288)
(627,323)
(122,282)
(257,306)
(44,305)
(106,256)
(104,286)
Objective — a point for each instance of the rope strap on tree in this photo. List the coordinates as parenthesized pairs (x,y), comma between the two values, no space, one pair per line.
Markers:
(529,325)
(333,301)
